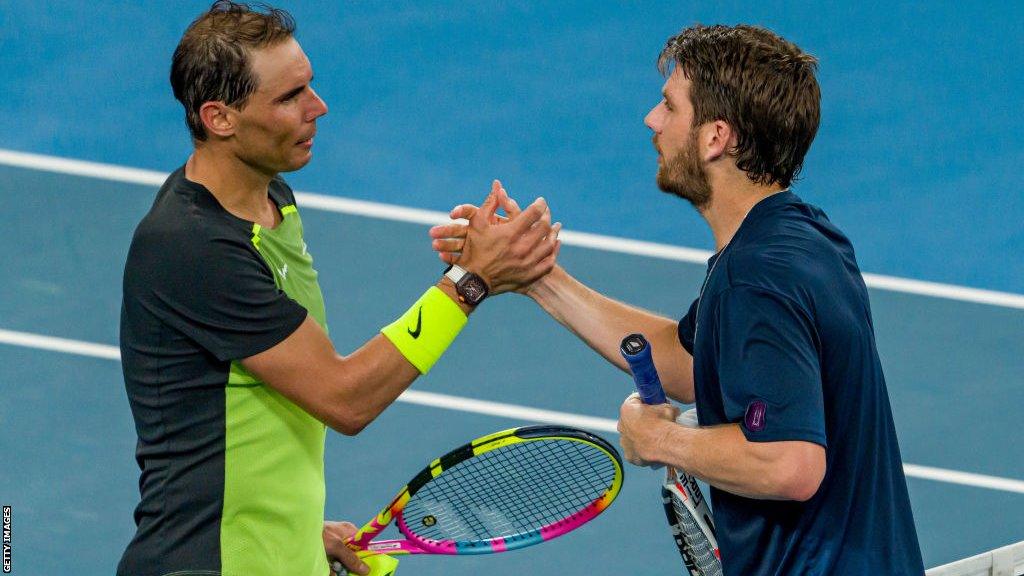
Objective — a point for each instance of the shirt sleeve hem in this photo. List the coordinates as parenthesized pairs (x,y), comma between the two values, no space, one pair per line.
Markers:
(687,345)
(268,341)
(785,436)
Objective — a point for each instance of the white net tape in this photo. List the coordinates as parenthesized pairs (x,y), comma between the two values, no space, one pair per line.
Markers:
(1005,561)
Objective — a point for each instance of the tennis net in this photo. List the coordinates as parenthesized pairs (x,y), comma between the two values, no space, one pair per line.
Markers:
(1005,561)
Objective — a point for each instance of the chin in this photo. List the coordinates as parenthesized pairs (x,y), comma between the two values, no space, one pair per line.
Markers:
(297,163)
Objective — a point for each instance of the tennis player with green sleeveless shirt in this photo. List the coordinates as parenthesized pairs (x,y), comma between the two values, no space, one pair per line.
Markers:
(231,378)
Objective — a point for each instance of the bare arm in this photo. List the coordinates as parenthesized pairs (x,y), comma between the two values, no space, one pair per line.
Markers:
(599,321)
(721,455)
(344,392)
(602,323)
(348,392)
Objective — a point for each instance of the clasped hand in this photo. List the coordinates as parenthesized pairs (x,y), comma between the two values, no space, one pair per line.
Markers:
(511,253)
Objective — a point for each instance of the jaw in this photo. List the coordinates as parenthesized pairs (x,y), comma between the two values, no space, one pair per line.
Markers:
(686,184)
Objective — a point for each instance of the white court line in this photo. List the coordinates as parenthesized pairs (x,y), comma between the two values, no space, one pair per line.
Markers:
(81,168)
(431,217)
(500,409)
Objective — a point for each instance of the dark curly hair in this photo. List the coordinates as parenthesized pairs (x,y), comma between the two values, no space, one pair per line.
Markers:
(211,62)
(762,85)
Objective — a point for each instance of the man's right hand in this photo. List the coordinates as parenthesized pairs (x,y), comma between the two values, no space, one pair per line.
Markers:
(508,254)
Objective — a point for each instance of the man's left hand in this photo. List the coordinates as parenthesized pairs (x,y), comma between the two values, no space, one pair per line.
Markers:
(642,429)
(335,535)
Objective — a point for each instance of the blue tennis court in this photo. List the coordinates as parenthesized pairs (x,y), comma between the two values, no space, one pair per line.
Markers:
(428,104)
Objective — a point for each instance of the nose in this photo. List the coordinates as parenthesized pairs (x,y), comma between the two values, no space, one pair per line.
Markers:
(318,107)
(654,118)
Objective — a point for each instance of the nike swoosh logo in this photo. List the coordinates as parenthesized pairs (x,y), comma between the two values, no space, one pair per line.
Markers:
(419,324)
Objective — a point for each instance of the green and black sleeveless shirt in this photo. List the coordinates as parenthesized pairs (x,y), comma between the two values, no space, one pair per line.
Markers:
(231,471)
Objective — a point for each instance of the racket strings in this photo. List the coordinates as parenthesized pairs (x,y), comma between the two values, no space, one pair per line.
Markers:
(528,501)
(692,541)
(559,493)
(511,490)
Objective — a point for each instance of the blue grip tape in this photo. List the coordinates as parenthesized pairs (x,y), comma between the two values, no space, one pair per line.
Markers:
(637,352)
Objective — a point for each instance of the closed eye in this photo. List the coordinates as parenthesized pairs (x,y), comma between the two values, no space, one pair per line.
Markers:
(290,95)
(293,93)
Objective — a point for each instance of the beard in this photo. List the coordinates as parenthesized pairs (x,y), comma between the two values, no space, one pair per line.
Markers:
(684,176)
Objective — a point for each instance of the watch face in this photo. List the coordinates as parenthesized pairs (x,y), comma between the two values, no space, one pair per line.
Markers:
(472,288)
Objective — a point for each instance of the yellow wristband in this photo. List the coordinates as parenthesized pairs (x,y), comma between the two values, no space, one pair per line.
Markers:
(426,330)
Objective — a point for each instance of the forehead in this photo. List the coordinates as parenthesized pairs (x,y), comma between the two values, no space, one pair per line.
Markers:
(281,66)
(677,86)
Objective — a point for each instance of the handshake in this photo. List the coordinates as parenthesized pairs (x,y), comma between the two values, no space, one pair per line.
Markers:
(510,253)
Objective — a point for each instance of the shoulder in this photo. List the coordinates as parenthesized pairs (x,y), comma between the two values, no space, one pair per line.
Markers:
(185,213)
(770,267)
(186,239)
(792,258)
(794,247)
(186,230)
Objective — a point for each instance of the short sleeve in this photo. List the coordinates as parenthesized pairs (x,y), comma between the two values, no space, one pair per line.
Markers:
(687,327)
(768,366)
(217,291)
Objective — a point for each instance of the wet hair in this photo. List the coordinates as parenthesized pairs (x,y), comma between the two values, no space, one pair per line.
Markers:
(212,60)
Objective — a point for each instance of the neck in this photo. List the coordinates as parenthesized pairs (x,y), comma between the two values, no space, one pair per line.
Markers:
(731,201)
(238,187)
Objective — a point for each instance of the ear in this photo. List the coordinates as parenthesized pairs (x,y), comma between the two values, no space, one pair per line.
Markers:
(217,118)
(718,139)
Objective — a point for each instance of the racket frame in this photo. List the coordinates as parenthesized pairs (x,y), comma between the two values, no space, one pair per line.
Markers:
(414,544)
(684,487)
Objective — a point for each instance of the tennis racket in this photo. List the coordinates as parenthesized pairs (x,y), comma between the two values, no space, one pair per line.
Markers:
(689,517)
(501,492)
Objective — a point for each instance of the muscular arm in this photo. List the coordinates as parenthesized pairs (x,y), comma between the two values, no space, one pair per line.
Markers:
(602,322)
(599,321)
(344,392)
(721,455)
(348,392)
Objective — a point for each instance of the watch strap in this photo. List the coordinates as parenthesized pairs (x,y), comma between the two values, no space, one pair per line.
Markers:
(455,273)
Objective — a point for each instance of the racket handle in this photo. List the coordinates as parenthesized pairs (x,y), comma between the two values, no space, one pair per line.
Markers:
(637,352)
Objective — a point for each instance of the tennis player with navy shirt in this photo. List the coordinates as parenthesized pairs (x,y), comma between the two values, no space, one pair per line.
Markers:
(778,352)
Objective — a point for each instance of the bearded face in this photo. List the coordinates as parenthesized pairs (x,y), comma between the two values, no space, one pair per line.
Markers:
(683,174)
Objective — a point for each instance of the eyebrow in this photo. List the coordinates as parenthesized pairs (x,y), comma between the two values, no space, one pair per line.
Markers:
(293,91)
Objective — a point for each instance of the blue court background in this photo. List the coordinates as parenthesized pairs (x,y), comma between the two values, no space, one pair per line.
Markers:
(917,160)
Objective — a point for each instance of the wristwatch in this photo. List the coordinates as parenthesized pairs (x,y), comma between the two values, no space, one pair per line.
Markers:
(471,288)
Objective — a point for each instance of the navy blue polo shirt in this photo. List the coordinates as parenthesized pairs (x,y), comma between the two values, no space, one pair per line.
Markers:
(783,345)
